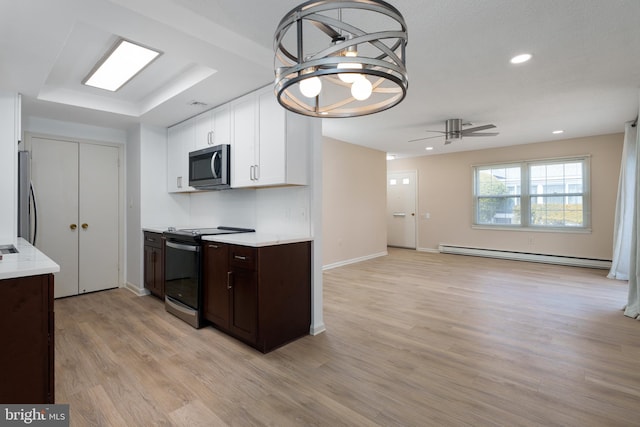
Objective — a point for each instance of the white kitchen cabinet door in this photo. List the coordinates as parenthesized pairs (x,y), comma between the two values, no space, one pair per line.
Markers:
(179,142)
(272,140)
(204,130)
(270,145)
(221,118)
(213,127)
(243,149)
(77,192)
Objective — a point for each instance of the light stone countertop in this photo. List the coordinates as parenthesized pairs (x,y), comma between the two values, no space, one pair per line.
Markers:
(29,261)
(257,239)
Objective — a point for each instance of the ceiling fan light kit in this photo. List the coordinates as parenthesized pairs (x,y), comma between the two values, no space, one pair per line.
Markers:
(340,58)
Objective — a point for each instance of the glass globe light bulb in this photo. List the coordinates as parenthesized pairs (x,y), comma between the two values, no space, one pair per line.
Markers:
(348,77)
(361,89)
(311,87)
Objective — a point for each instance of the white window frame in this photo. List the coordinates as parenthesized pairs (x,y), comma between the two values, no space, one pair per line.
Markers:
(525,195)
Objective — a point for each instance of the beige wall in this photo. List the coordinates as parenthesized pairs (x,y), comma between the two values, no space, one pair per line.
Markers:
(354,202)
(445,192)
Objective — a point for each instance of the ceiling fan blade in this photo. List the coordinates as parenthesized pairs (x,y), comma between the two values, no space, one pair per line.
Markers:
(477,128)
(481,134)
(426,137)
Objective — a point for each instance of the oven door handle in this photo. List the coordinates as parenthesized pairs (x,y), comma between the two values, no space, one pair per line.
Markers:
(190,248)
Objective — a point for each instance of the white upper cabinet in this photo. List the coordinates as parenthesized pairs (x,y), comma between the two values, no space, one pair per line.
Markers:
(209,128)
(244,154)
(213,127)
(181,140)
(270,145)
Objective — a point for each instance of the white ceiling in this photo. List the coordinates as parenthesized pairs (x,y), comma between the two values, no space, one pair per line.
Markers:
(584,76)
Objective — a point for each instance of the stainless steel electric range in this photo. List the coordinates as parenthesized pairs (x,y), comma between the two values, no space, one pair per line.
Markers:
(183,270)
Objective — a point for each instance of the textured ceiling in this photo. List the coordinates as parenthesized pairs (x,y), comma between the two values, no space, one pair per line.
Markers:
(583,78)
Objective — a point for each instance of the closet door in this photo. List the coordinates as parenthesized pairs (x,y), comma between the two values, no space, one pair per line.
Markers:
(77,194)
(54,173)
(98,219)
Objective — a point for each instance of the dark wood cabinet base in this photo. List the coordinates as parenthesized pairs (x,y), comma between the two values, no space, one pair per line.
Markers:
(262,296)
(27,336)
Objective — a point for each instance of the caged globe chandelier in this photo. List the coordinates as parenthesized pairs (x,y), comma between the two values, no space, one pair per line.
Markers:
(341,58)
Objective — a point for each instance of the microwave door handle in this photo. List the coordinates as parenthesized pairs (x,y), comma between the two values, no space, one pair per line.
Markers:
(213,165)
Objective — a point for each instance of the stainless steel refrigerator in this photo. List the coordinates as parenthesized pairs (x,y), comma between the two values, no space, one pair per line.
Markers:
(27,211)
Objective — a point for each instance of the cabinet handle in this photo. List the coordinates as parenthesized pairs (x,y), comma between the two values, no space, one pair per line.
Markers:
(257,172)
(73,226)
(214,246)
(229,274)
(240,257)
(179,182)
(251,173)
(85,226)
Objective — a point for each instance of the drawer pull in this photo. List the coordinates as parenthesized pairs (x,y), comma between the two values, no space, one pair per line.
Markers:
(229,274)
(214,246)
(240,257)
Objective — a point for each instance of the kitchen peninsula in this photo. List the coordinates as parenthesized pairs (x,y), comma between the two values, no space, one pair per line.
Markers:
(27,325)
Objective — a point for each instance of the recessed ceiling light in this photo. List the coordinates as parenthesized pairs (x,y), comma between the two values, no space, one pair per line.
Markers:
(119,65)
(557,132)
(429,148)
(519,59)
(391,156)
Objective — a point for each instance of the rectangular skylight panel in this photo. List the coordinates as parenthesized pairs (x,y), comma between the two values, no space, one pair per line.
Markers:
(121,65)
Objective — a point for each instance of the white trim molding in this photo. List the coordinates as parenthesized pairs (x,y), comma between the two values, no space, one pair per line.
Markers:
(136,290)
(354,260)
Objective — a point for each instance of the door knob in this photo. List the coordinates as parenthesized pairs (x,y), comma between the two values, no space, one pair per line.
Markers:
(85,226)
(73,226)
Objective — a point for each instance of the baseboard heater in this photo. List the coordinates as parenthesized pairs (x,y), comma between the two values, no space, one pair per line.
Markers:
(524,256)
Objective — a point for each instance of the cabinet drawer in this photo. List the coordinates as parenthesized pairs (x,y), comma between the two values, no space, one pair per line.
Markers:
(243,256)
(153,239)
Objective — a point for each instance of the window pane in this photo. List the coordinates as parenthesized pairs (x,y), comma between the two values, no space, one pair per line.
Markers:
(557,211)
(555,193)
(555,178)
(498,181)
(498,210)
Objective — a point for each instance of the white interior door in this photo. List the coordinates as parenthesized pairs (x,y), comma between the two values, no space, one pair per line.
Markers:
(54,173)
(401,209)
(77,194)
(98,224)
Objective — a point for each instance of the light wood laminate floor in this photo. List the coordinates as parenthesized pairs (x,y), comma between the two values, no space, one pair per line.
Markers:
(413,339)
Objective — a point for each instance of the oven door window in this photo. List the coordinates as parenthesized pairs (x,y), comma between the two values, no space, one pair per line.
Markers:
(182,273)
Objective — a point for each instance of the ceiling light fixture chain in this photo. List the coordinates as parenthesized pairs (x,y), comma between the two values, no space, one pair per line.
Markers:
(339,69)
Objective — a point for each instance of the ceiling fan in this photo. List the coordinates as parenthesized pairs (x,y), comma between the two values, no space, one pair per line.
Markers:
(454,131)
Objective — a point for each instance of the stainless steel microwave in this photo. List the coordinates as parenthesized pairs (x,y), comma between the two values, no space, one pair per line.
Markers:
(210,168)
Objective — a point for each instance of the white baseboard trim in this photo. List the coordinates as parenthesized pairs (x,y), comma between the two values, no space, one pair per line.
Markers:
(430,250)
(354,260)
(317,329)
(136,290)
(523,256)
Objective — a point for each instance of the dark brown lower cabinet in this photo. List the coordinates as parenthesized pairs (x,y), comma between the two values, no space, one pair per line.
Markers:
(27,337)
(261,296)
(154,263)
